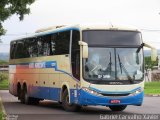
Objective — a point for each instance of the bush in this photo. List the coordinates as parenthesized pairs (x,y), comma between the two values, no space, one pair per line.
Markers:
(3,76)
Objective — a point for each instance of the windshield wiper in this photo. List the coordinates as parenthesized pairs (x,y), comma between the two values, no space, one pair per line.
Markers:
(140,47)
(125,70)
(109,66)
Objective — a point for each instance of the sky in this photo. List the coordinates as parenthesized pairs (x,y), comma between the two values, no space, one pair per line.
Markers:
(142,14)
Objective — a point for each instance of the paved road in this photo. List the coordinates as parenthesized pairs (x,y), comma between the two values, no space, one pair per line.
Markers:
(49,110)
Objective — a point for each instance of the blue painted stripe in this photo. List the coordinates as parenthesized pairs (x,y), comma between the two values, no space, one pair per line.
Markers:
(50,32)
(83,97)
(56,31)
(49,93)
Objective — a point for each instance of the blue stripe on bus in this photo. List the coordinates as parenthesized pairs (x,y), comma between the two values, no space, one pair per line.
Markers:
(55,31)
(50,93)
(49,32)
(83,97)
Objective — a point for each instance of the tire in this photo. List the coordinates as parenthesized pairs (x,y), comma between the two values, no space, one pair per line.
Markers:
(18,92)
(118,107)
(27,99)
(66,105)
(22,96)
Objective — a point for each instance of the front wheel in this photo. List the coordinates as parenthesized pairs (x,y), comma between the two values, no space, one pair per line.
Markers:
(66,105)
(118,107)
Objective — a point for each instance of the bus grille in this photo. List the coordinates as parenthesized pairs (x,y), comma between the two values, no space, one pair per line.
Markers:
(125,94)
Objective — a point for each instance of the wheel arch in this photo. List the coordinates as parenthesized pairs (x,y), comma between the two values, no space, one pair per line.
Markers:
(63,87)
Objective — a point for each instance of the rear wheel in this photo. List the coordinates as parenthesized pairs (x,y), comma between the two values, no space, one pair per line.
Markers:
(19,91)
(118,107)
(66,105)
(22,96)
(26,99)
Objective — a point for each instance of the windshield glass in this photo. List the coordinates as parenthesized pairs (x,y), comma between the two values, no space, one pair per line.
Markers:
(113,64)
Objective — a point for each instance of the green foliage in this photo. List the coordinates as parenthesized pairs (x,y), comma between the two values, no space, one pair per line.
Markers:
(4,81)
(4,84)
(3,76)
(10,7)
(2,62)
(149,64)
(152,88)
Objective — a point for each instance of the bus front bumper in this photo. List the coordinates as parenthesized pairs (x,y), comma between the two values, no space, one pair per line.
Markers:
(86,98)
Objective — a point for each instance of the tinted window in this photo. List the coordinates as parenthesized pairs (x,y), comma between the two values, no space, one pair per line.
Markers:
(44,45)
(32,46)
(106,37)
(75,55)
(53,44)
(12,50)
(19,49)
(25,49)
(62,40)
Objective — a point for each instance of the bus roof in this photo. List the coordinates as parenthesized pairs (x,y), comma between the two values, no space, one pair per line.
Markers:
(54,29)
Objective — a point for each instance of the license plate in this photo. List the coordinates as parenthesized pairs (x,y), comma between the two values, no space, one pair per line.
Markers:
(115,101)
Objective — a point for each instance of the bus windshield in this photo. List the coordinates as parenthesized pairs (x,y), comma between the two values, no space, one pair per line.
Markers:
(113,56)
(113,64)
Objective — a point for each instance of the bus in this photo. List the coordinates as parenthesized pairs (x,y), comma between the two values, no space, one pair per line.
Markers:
(79,66)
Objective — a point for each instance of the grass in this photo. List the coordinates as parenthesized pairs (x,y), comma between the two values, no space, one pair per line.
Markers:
(4,84)
(1,112)
(152,88)
(3,80)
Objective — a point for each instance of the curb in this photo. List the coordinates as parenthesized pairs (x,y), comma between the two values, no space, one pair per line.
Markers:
(3,111)
(155,95)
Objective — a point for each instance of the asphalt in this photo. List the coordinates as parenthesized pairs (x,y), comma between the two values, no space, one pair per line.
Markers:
(50,110)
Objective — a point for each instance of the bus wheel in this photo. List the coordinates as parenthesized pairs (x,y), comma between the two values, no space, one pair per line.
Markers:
(22,96)
(118,107)
(66,105)
(27,99)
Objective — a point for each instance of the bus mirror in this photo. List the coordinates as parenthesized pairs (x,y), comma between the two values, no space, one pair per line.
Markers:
(84,49)
(153,52)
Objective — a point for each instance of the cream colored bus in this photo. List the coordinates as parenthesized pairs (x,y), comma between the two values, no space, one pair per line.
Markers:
(79,66)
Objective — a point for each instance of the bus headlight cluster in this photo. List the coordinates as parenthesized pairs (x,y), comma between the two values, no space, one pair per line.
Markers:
(136,92)
(91,91)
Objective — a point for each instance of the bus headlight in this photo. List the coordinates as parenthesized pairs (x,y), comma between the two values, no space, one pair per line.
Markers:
(91,91)
(136,92)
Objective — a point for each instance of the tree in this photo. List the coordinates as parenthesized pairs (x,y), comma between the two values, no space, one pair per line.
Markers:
(149,64)
(10,7)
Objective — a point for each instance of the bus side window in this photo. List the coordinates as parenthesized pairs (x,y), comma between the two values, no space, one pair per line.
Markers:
(59,44)
(19,49)
(62,41)
(33,47)
(44,45)
(53,44)
(75,54)
(12,50)
(25,49)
